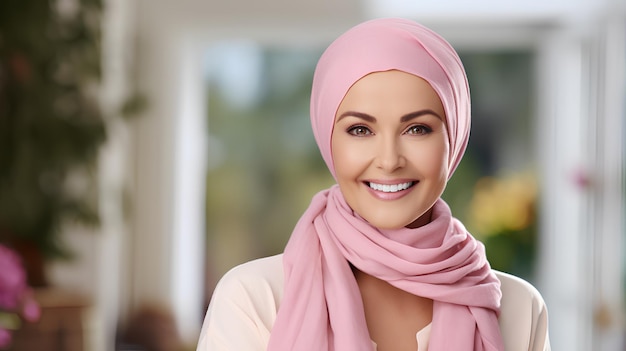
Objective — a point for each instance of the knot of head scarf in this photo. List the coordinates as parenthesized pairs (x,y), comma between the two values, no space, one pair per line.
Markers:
(322,307)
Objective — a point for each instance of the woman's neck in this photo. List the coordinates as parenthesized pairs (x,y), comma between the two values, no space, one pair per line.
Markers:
(393,316)
(423,219)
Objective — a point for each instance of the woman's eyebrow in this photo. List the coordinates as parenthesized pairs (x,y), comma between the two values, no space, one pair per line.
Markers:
(410,116)
(360,115)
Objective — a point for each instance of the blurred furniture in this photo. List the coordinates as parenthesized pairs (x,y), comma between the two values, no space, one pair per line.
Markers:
(61,326)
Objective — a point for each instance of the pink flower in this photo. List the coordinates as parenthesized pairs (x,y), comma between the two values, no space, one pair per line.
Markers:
(5,337)
(12,279)
(16,297)
(31,311)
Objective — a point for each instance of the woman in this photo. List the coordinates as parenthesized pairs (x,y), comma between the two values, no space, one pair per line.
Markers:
(377,262)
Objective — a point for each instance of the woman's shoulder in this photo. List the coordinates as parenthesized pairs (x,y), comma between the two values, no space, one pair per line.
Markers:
(519,295)
(261,267)
(523,316)
(259,279)
(244,306)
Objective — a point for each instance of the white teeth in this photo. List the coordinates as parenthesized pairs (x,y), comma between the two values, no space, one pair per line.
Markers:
(385,188)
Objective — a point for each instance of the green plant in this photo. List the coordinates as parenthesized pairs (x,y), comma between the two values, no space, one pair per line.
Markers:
(51,126)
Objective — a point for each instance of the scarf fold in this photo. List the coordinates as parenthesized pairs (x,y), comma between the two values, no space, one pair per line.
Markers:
(322,307)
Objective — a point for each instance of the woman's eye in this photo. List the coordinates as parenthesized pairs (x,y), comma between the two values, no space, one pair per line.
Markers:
(359,131)
(418,130)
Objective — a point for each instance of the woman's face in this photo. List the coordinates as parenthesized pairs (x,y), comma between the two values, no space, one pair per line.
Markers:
(390,149)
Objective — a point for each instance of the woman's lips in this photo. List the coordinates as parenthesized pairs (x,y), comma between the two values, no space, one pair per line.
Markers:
(390,190)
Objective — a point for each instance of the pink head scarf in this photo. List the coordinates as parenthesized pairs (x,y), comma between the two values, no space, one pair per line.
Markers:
(322,307)
(382,45)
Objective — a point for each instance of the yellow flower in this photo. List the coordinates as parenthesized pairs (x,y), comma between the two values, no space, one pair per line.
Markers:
(502,204)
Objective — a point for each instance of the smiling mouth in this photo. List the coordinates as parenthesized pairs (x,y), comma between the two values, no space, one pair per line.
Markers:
(390,188)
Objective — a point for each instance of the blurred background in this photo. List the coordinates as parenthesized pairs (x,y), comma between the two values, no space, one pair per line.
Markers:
(148,146)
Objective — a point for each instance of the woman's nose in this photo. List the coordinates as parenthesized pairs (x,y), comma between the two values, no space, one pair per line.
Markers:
(390,155)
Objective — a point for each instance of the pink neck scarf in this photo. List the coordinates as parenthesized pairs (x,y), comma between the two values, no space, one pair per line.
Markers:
(322,307)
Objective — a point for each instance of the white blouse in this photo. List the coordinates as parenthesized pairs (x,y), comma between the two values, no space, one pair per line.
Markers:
(246,300)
